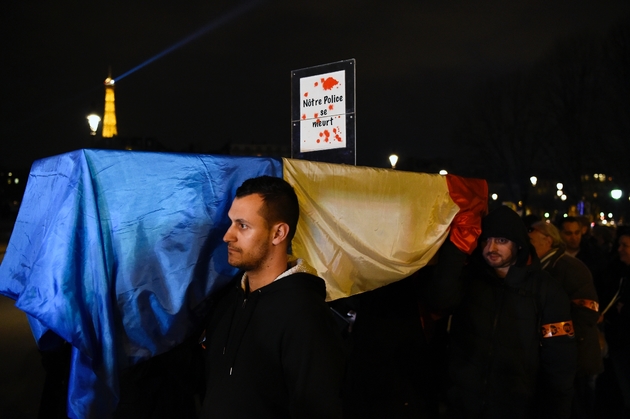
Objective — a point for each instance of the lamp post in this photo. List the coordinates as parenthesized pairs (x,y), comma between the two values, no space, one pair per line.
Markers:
(393,159)
(93,121)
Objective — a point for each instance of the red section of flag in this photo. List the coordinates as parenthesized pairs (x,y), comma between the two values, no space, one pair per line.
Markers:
(471,196)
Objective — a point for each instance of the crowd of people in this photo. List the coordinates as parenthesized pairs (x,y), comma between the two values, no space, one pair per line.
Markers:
(531,324)
(515,329)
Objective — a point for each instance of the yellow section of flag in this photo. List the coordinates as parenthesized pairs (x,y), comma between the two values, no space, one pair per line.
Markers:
(362,228)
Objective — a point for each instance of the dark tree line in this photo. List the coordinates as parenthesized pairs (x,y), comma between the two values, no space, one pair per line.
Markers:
(567,116)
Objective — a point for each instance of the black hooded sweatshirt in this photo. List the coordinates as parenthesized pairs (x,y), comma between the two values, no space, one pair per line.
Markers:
(274,353)
(499,364)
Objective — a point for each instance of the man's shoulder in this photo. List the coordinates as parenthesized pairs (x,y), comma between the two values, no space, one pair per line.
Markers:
(573,264)
(298,284)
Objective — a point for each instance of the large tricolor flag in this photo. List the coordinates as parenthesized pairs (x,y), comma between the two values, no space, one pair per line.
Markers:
(117,252)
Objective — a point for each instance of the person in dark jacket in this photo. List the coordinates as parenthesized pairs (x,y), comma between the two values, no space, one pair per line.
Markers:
(593,257)
(577,282)
(511,339)
(616,303)
(273,348)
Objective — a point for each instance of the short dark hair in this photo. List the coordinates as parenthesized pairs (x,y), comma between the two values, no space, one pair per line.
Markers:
(621,231)
(279,198)
(568,220)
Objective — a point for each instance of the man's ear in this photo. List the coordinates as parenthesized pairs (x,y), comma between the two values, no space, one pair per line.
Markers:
(280,233)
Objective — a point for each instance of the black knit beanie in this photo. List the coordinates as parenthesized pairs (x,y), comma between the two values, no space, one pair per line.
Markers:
(504,222)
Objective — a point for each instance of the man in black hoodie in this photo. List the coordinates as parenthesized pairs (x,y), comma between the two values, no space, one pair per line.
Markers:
(512,349)
(273,350)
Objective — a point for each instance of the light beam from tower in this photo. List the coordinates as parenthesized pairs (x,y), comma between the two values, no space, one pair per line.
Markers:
(109,116)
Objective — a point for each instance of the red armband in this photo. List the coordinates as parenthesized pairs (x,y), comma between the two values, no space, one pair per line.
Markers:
(590,304)
(557,329)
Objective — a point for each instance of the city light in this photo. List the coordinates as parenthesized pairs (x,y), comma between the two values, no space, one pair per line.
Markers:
(559,186)
(533,180)
(495,197)
(443,172)
(616,193)
(393,159)
(93,121)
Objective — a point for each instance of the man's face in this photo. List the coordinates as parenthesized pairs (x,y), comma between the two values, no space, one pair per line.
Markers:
(571,235)
(499,252)
(624,249)
(540,241)
(249,236)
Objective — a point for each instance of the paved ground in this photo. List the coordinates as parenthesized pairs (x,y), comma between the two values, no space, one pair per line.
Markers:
(21,371)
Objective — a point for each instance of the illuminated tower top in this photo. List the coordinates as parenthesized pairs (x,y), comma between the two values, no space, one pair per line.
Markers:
(109,117)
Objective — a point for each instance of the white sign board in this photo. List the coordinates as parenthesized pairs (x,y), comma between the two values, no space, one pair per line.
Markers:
(322,110)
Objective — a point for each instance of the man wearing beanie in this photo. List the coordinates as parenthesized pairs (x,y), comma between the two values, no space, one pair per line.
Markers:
(512,351)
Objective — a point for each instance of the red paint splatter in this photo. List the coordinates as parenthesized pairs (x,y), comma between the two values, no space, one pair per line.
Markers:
(337,132)
(305,94)
(329,83)
(327,134)
(315,115)
(318,141)
(304,116)
(330,107)
(316,84)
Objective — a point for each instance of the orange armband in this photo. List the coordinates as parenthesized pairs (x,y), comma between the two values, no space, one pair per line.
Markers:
(590,304)
(557,329)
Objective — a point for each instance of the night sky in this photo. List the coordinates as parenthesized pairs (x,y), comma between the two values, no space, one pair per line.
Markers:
(227,75)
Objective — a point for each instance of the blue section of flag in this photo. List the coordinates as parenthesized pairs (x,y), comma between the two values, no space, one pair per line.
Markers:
(116,252)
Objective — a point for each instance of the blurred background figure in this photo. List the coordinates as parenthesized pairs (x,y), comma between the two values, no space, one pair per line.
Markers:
(578,283)
(594,259)
(616,322)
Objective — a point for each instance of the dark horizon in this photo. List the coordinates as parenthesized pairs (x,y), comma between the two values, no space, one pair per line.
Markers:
(416,65)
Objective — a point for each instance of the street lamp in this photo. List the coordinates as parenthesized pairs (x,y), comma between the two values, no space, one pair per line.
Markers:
(533,180)
(393,159)
(93,121)
(616,193)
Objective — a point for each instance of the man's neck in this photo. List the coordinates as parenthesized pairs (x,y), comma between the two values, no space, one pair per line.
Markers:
(571,252)
(502,272)
(267,273)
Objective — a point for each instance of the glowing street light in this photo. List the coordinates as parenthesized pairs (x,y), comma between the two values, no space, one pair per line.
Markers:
(533,180)
(559,186)
(93,121)
(393,159)
(616,193)
(443,172)
(495,197)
